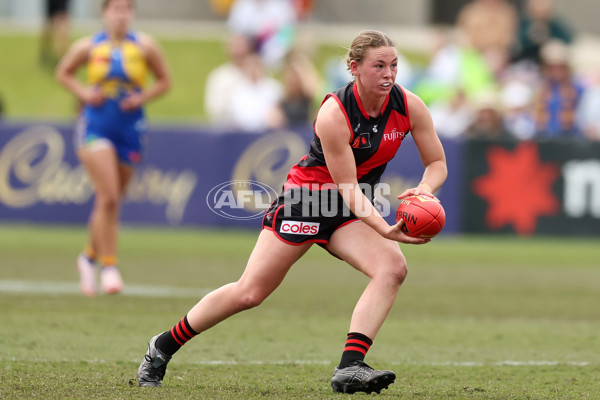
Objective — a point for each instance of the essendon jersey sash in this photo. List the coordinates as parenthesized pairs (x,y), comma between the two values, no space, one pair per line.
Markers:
(374,143)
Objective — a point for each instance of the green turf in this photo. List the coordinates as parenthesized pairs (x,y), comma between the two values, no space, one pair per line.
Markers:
(29,90)
(477,318)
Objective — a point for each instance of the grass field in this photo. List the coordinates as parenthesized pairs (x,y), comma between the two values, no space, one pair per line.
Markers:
(30,91)
(477,318)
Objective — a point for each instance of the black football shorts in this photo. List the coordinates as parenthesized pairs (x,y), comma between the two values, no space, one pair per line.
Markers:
(301,216)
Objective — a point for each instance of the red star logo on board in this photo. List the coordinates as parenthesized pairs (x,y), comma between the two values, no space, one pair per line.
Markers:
(518,188)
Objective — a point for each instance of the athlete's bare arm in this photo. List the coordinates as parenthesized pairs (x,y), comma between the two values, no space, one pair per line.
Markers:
(331,127)
(429,146)
(76,57)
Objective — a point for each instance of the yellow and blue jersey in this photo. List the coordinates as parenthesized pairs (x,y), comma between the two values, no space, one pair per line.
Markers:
(117,69)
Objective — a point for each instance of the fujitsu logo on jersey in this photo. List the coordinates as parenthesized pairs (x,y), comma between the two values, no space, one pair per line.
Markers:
(299,228)
(394,135)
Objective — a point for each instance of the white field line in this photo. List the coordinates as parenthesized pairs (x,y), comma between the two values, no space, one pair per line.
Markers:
(510,363)
(58,288)
(61,288)
(507,363)
(449,363)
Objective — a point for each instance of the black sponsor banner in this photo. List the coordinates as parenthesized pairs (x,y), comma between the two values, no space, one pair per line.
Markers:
(532,187)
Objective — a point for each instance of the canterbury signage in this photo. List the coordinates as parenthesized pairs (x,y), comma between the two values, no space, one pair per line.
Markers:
(36,173)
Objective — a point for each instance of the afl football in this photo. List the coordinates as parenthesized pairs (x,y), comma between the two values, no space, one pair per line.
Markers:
(424,217)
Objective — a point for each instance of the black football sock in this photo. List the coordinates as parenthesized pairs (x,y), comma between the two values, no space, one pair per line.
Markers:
(355,350)
(171,341)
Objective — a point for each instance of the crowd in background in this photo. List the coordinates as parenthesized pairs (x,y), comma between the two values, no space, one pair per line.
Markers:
(509,73)
(243,94)
(500,72)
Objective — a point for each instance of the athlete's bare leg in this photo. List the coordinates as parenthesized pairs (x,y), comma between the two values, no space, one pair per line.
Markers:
(110,179)
(269,262)
(382,261)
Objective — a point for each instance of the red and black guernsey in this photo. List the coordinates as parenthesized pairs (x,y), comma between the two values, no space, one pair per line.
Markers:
(374,142)
(310,208)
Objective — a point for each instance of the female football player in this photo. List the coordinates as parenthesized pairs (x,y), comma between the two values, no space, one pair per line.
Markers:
(110,130)
(358,129)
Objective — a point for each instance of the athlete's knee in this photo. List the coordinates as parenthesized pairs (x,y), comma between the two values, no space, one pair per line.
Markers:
(108,202)
(401,270)
(395,268)
(250,299)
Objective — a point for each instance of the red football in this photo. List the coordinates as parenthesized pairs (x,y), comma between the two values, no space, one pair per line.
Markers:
(424,217)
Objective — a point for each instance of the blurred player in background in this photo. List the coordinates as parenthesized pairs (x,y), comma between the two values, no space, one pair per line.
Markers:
(358,129)
(110,130)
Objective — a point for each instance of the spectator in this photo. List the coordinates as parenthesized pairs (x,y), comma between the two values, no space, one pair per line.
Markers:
(452,118)
(55,32)
(557,99)
(404,71)
(270,23)
(538,24)
(517,103)
(336,74)
(455,70)
(588,112)
(300,81)
(221,7)
(303,8)
(489,26)
(222,81)
(254,102)
(488,118)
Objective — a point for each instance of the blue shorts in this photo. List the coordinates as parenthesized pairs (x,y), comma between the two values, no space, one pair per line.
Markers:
(125,135)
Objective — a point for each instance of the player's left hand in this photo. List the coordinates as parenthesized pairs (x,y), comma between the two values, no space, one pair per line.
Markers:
(132,102)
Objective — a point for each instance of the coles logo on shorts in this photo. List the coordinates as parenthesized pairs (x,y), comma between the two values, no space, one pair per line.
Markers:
(299,228)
